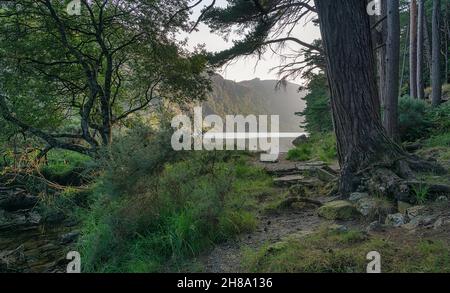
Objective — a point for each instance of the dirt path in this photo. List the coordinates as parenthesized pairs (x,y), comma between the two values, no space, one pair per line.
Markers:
(226,258)
(272,228)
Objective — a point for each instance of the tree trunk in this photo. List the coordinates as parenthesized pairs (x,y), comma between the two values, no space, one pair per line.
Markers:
(436,65)
(447,44)
(420,46)
(381,53)
(427,40)
(361,139)
(392,69)
(413,50)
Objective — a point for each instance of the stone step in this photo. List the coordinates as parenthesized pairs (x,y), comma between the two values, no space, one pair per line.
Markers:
(289,180)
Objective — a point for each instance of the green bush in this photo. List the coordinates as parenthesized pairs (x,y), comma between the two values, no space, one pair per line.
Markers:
(440,118)
(140,153)
(317,113)
(67,168)
(318,147)
(414,122)
(175,215)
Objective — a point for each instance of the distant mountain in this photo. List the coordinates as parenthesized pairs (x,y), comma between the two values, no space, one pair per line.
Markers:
(258,97)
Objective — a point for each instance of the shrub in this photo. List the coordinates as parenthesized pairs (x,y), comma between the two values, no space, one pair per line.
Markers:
(414,122)
(318,147)
(140,153)
(440,118)
(67,167)
(190,205)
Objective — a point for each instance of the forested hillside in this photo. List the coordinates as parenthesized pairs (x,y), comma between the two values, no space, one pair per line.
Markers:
(257,97)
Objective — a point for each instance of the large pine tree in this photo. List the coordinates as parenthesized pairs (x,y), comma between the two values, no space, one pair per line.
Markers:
(366,153)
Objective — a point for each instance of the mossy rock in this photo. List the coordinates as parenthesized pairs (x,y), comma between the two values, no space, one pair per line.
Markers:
(338,210)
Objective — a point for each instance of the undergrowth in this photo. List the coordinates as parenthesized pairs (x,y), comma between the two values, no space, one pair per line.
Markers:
(170,215)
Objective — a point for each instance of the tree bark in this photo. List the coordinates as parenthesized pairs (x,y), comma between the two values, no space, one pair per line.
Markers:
(427,40)
(381,53)
(392,69)
(420,47)
(413,50)
(361,140)
(436,65)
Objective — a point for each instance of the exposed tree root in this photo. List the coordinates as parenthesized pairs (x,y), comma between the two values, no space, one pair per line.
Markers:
(397,178)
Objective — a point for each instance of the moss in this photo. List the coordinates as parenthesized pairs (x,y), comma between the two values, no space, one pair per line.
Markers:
(338,210)
(343,252)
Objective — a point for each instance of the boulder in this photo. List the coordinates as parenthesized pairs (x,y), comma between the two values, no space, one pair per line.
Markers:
(370,206)
(300,140)
(414,212)
(354,197)
(395,220)
(338,210)
(367,206)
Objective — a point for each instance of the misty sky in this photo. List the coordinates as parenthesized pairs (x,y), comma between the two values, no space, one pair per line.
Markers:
(248,68)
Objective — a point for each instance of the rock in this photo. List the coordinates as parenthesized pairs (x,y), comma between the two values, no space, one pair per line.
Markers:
(414,211)
(69,237)
(18,220)
(442,199)
(442,221)
(300,140)
(403,206)
(291,180)
(367,206)
(338,210)
(395,220)
(288,180)
(337,228)
(10,261)
(370,206)
(14,200)
(281,169)
(354,197)
(324,175)
(375,226)
(34,218)
(413,224)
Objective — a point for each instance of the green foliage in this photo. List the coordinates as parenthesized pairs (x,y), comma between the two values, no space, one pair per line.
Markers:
(317,113)
(115,61)
(330,251)
(67,204)
(318,147)
(440,118)
(169,216)
(140,153)
(421,192)
(442,140)
(413,119)
(66,167)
